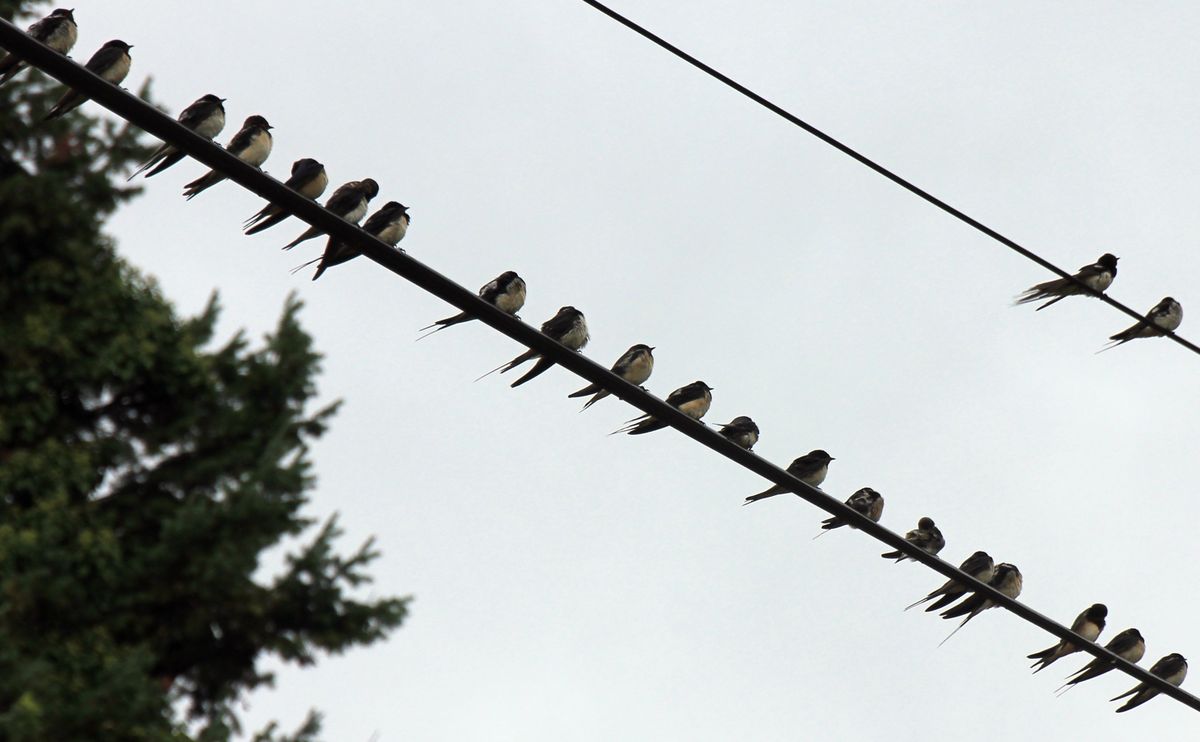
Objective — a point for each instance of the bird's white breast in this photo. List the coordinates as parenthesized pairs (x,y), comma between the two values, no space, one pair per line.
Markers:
(392,233)
(316,186)
(1089,631)
(212,126)
(1134,653)
(817,476)
(640,369)
(1012,586)
(258,151)
(1172,319)
(696,408)
(401,227)
(511,301)
(1100,281)
(117,72)
(577,336)
(356,214)
(63,37)
(1176,678)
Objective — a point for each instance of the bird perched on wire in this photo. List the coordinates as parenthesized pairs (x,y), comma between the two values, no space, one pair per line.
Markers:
(308,178)
(1172,668)
(635,366)
(1098,276)
(1166,315)
(1128,645)
(252,145)
(57,31)
(926,537)
(388,224)
(866,502)
(741,430)
(1088,624)
(692,400)
(206,117)
(506,292)
(1006,579)
(567,327)
(349,201)
(810,468)
(979,565)
(111,63)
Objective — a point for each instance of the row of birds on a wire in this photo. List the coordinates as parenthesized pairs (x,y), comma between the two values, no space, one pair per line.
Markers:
(253,143)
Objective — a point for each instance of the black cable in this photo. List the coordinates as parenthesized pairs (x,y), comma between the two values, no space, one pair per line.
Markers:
(845,149)
(142,114)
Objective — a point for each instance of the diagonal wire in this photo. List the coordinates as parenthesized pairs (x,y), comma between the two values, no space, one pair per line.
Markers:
(847,150)
(155,122)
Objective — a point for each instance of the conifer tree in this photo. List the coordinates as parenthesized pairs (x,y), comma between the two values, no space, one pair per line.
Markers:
(144,467)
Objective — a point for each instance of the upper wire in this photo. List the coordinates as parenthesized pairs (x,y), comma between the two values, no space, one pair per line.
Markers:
(907,185)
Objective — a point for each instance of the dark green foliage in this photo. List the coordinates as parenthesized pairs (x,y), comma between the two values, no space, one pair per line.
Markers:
(143,472)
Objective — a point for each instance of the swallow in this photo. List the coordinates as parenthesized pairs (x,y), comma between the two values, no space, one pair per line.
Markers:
(111,63)
(810,468)
(308,178)
(388,224)
(252,145)
(567,327)
(866,501)
(57,31)
(635,366)
(1006,578)
(206,117)
(1166,315)
(978,565)
(927,537)
(349,201)
(1128,645)
(506,292)
(741,430)
(1172,668)
(1088,624)
(1098,276)
(692,400)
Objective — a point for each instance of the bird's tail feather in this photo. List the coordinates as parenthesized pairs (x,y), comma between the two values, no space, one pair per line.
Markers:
(926,599)
(442,324)
(302,266)
(308,235)
(538,369)
(762,495)
(149,163)
(1052,301)
(957,628)
(506,367)
(647,426)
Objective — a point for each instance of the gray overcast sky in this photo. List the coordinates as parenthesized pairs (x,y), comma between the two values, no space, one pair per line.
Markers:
(574,586)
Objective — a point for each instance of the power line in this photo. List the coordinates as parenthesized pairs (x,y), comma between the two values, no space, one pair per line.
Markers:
(847,150)
(153,121)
